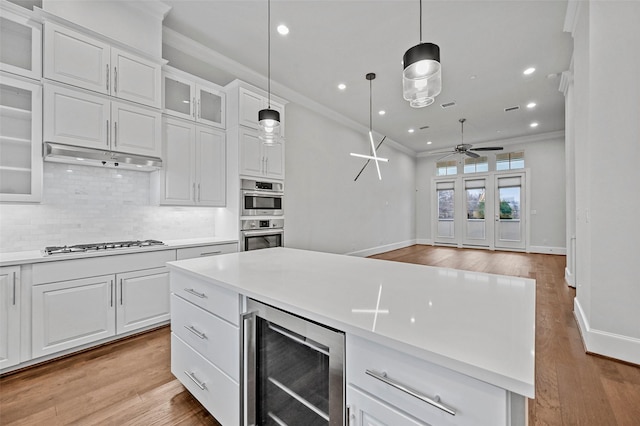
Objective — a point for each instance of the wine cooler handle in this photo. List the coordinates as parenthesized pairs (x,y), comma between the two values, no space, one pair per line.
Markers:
(248,369)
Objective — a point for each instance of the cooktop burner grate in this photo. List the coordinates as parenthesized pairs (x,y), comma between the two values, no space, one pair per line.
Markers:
(83,248)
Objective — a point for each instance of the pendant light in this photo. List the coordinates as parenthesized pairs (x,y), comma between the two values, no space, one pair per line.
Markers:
(269,119)
(374,156)
(421,78)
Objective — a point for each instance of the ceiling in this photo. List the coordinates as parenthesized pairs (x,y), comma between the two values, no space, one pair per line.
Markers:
(484,45)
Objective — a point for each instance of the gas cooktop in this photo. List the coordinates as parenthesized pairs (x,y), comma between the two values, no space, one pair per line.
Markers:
(83,248)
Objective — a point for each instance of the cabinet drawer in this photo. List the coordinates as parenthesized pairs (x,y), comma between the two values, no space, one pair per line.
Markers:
(203,251)
(216,391)
(215,339)
(474,402)
(210,297)
(366,410)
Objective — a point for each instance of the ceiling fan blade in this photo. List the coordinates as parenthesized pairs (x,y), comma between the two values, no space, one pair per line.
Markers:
(489,148)
(440,152)
(472,154)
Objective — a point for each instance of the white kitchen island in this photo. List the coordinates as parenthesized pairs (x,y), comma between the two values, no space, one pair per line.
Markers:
(462,338)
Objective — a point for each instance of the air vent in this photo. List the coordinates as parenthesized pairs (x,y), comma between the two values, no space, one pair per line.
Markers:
(448,104)
(513,108)
(424,127)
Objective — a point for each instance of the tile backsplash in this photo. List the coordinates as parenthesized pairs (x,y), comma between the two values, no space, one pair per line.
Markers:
(83,204)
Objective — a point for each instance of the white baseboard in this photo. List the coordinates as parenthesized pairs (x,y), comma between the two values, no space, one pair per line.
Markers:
(381,249)
(424,241)
(548,250)
(569,278)
(604,343)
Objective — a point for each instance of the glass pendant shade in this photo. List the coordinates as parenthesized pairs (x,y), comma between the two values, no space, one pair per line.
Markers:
(422,75)
(269,123)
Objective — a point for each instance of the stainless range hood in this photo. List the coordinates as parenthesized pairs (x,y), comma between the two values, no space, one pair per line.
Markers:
(96,157)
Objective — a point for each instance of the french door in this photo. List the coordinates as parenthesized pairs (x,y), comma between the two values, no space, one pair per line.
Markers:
(485,211)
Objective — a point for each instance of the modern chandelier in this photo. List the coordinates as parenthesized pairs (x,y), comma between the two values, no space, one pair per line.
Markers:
(269,119)
(422,77)
(374,156)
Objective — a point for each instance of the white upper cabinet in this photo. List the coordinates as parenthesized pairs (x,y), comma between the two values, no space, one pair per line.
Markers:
(87,62)
(20,140)
(258,159)
(20,42)
(75,117)
(210,167)
(251,103)
(193,99)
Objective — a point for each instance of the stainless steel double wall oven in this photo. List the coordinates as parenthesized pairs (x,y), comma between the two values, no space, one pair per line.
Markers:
(262,221)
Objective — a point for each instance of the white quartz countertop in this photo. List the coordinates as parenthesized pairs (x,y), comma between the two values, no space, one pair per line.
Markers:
(478,324)
(37,256)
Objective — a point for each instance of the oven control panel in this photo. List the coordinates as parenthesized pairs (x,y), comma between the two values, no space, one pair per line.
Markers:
(262,224)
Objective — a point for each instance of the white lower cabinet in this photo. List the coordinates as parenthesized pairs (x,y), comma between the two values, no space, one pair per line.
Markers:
(10,285)
(72,313)
(142,299)
(367,410)
(206,251)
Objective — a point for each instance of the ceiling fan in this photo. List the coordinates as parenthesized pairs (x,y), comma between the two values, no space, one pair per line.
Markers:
(465,148)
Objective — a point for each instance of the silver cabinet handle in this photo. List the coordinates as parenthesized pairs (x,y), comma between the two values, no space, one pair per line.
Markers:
(199,193)
(120,291)
(406,389)
(107,66)
(14,289)
(193,105)
(194,191)
(115,79)
(108,128)
(192,376)
(195,293)
(192,329)
(115,133)
(322,350)
(111,292)
(210,253)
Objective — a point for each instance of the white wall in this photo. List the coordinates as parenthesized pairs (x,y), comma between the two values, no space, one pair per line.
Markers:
(325,209)
(545,160)
(607,138)
(93,204)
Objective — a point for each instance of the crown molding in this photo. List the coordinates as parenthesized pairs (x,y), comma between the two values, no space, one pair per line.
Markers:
(540,137)
(154,8)
(193,48)
(574,8)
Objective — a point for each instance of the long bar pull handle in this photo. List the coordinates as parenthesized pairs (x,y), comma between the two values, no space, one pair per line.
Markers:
(192,376)
(192,329)
(248,369)
(199,110)
(115,79)
(285,333)
(210,253)
(406,389)
(193,105)
(108,128)
(195,293)
(199,193)
(194,191)
(115,133)
(120,291)
(107,66)
(111,292)
(14,289)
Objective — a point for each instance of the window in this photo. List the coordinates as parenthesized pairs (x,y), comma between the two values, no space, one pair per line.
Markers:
(446,204)
(476,165)
(445,168)
(510,160)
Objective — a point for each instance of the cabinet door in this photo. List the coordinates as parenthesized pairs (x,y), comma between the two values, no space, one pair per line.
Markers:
(135,79)
(177,176)
(9,316)
(136,129)
(274,160)
(179,97)
(211,106)
(20,44)
(250,104)
(210,167)
(251,158)
(142,299)
(67,314)
(366,410)
(20,140)
(74,58)
(75,117)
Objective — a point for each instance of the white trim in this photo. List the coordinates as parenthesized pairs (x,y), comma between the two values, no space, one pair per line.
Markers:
(242,72)
(603,343)
(571,16)
(382,249)
(424,241)
(569,277)
(548,250)
(154,8)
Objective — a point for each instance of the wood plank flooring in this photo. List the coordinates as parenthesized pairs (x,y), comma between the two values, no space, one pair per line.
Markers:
(130,383)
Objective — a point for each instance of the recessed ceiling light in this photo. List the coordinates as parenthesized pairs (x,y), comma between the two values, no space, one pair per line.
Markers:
(69,171)
(534,124)
(411,130)
(531,105)
(283,29)
(529,71)
(382,112)
(80,159)
(342,86)
(473,77)
(429,142)
(185,102)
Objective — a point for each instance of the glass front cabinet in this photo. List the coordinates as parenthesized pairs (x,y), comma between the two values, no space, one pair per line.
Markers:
(20,140)
(20,42)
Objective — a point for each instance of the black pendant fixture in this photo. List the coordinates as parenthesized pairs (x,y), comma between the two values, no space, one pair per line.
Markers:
(269,119)
(422,75)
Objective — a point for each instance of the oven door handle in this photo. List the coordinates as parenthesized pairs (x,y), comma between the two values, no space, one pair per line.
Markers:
(262,194)
(258,233)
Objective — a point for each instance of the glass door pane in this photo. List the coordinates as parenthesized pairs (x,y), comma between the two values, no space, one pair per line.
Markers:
(446,213)
(178,97)
(509,212)
(475,225)
(210,106)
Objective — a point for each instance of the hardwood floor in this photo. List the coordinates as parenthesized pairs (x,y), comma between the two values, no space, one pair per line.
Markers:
(129,382)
